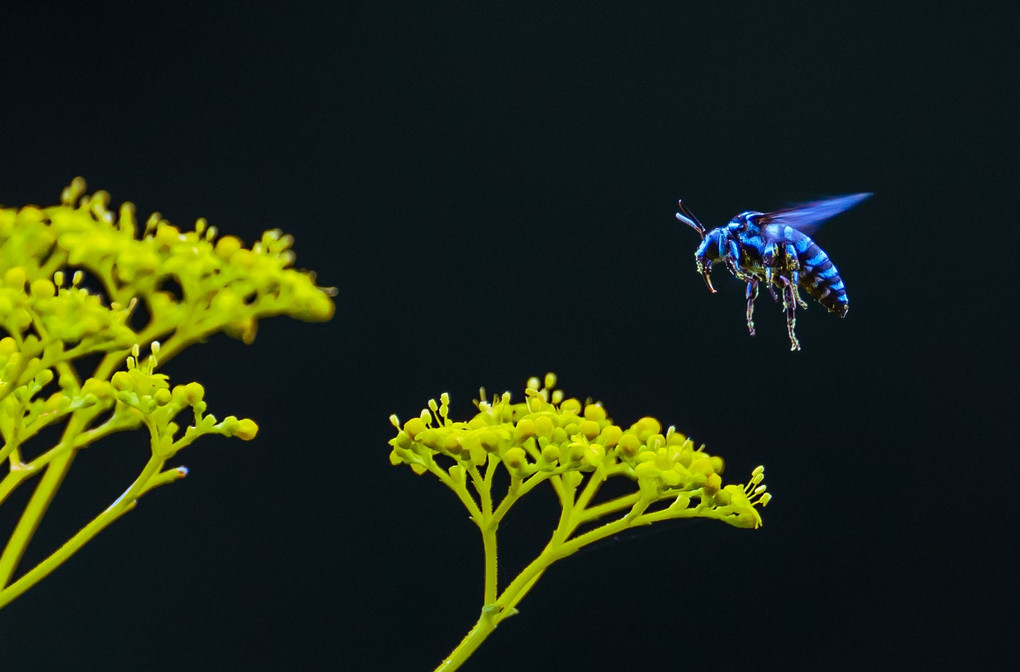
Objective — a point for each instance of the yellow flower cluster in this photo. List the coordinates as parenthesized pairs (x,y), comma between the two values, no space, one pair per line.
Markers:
(72,277)
(222,285)
(148,393)
(546,434)
(76,281)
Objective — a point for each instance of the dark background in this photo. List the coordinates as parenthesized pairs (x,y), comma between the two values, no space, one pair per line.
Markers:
(492,187)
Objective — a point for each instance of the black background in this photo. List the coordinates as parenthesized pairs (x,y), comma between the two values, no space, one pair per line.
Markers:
(492,187)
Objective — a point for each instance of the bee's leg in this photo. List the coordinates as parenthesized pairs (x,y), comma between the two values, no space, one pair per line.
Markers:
(794,283)
(770,283)
(792,262)
(732,259)
(768,260)
(751,294)
(790,305)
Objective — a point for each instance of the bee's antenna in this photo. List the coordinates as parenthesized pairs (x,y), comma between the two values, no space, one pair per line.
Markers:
(687,217)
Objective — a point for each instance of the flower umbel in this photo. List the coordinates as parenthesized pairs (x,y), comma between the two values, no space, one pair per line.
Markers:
(576,448)
(80,284)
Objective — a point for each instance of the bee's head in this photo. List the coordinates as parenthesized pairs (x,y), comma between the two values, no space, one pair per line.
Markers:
(712,245)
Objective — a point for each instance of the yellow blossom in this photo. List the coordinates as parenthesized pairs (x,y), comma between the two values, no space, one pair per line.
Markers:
(575,447)
(81,284)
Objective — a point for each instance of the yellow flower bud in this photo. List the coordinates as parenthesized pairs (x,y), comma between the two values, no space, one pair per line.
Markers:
(122,381)
(8,346)
(514,458)
(525,428)
(194,393)
(628,444)
(551,453)
(589,429)
(610,436)
(246,429)
(414,427)
(646,426)
(167,235)
(452,445)
(646,470)
(226,246)
(701,466)
(544,426)
(571,406)
(15,278)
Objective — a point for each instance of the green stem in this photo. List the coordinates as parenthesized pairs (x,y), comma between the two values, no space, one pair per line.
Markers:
(632,518)
(483,628)
(560,547)
(484,496)
(32,516)
(531,482)
(511,496)
(458,489)
(574,511)
(491,567)
(613,505)
(149,477)
(563,526)
(72,442)
(591,488)
(8,454)
(12,480)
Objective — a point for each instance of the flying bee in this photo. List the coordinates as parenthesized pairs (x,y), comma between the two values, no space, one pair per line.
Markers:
(774,249)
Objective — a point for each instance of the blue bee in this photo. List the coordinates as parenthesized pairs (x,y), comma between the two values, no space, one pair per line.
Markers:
(774,248)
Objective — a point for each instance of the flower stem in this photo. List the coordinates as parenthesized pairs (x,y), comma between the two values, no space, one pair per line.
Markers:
(70,547)
(148,478)
(31,517)
(483,628)
(491,566)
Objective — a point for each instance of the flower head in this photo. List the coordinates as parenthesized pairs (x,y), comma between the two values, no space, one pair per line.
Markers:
(546,433)
(222,285)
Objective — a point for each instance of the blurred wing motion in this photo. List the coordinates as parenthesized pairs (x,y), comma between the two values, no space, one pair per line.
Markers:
(807,217)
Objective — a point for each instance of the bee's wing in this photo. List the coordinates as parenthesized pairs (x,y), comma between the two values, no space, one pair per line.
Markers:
(807,217)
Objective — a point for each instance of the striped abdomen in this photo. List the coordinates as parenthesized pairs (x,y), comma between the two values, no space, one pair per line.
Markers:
(819,278)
